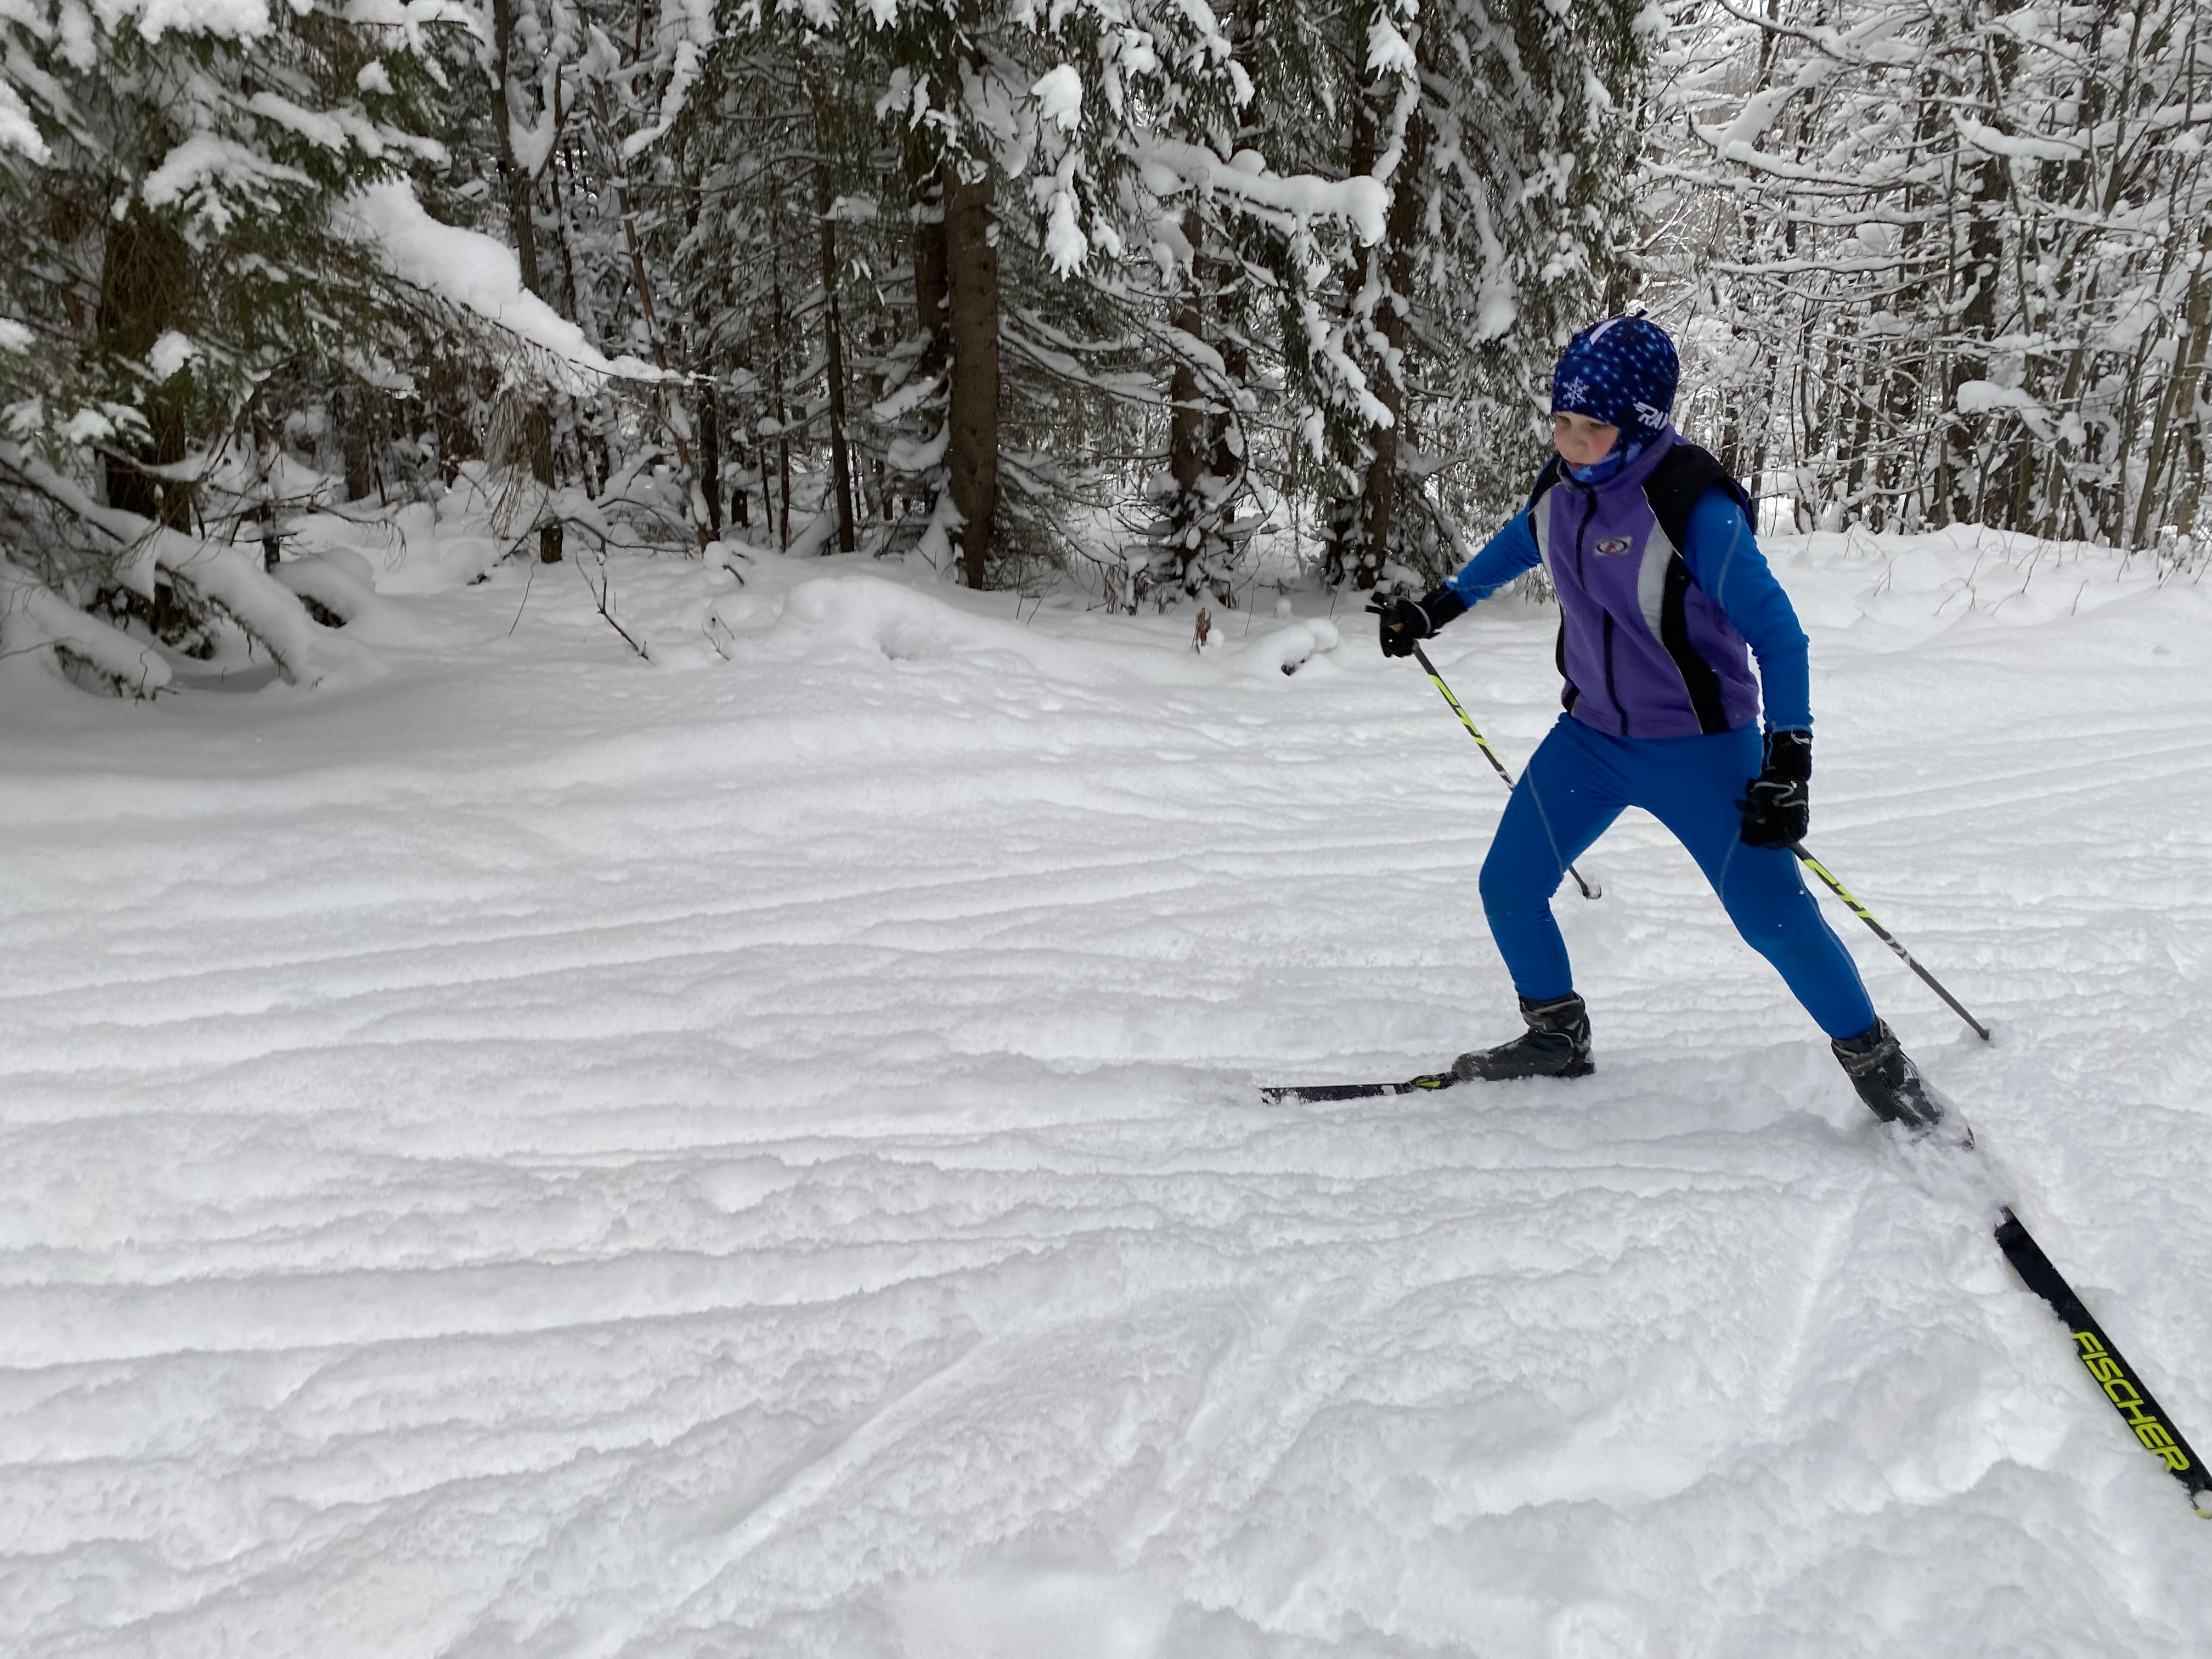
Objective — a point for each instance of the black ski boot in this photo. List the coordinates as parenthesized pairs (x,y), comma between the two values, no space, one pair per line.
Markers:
(1891,1085)
(1556,1044)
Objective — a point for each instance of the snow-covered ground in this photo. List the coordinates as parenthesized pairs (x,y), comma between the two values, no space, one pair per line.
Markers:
(540,1155)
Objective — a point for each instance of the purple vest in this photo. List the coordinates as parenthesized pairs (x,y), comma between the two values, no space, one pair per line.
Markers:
(1644,651)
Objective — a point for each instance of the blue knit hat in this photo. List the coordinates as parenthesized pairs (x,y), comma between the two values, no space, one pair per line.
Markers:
(1623,372)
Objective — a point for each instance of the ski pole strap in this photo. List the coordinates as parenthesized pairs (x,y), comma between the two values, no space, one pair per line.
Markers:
(1887,938)
(2111,1373)
(1588,890)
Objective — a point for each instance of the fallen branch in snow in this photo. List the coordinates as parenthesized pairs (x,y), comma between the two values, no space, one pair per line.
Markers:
(721,553)
(529,576)
(721,645)
(602,597)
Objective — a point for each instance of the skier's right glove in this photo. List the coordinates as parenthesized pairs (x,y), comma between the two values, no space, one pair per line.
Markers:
(1778,805)
(1404,621)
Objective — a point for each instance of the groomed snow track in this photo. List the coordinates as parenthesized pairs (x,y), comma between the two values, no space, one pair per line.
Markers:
(540,1155)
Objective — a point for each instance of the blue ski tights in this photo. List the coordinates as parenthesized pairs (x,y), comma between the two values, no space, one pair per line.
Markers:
(1578,782)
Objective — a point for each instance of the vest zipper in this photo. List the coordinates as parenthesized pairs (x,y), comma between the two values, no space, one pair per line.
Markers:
(1581,533)
(1618,707)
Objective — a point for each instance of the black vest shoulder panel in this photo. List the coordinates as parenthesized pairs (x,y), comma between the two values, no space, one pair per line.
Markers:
(1680,482)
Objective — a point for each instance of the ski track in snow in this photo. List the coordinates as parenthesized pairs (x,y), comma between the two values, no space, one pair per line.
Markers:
(540,1156)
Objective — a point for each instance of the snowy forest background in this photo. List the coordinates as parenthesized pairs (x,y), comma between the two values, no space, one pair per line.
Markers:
(1092,292)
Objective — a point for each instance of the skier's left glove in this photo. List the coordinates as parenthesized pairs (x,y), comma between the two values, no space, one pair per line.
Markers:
(1406,621)
(1777,804)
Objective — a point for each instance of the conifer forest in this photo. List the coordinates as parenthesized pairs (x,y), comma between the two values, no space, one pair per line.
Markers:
(1085,292)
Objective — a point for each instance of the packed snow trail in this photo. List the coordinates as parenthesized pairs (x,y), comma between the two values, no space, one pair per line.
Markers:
(545,1155)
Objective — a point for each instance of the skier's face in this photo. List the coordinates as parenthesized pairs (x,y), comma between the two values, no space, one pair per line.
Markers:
(1581,440)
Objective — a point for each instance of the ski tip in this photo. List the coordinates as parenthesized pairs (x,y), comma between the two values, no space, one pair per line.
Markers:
(1950,1132)
(1298,1094)
(1316,1094)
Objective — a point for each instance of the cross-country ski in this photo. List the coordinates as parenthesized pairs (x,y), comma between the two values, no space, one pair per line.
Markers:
(1307,1093)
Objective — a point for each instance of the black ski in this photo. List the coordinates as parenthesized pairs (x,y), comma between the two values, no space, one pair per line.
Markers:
(1300,1093)
(2122,1386)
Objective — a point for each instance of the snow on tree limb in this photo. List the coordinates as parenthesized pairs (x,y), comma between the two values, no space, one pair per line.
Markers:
(477,272)
(32,614)
(1981,396)
(226,575)
(18,132)
(1361,202)
(2025,147)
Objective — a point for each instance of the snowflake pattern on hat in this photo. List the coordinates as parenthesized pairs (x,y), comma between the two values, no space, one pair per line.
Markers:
(1622,371)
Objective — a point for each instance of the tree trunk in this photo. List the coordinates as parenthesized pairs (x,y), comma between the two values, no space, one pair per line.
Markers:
(932,298)
(1226,437)
(971,263)
(882,495)
(1347,550)
(357,440)
(780,514)
(2059,498)
(145,277)
(449,386)
(1186,416)
(931,301)
(833,340)
(1379,498)
(710,454)
(1976,326)
(538,423)
(2184,395)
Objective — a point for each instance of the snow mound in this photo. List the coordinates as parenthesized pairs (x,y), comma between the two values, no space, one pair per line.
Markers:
(870,617)
(341,584)
(1892,591)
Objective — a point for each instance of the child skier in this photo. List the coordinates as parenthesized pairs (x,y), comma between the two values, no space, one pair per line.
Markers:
(1648,543)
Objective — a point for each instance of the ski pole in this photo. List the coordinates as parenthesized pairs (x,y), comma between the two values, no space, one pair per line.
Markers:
(1886,937)
(1591,890)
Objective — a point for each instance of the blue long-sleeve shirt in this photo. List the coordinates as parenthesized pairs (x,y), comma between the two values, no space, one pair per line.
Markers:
(1723,560)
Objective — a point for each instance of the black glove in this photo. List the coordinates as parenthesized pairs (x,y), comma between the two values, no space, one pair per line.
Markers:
(1406,621)
(1776,806)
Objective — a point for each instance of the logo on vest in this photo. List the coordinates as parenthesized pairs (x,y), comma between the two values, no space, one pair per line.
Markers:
(1614,544)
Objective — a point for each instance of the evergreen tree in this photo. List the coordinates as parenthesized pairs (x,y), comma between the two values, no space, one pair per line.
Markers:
(176,271)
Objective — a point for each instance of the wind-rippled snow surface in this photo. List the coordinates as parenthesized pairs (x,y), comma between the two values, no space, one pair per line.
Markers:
(542,1154)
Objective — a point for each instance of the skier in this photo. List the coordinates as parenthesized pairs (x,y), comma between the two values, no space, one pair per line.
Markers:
(1648,542)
